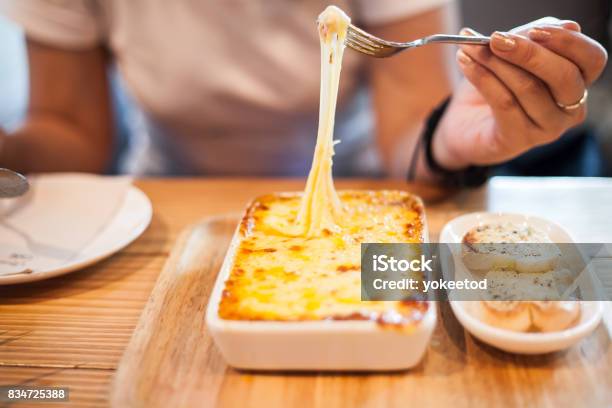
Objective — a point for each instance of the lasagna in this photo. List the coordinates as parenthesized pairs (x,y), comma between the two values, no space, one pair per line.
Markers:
(275,276)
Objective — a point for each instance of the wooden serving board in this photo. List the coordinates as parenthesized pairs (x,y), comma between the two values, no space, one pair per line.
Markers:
(171,360)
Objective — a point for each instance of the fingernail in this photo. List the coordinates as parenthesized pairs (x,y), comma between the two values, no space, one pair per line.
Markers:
(463,58)
(469,31)
(503,41)
(539,34)
(571,25)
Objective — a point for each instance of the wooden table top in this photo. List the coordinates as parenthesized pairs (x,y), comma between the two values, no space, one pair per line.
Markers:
(72,330)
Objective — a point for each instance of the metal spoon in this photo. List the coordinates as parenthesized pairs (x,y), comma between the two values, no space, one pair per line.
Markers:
(12,184)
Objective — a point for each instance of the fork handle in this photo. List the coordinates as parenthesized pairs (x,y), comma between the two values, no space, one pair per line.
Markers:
(457,39)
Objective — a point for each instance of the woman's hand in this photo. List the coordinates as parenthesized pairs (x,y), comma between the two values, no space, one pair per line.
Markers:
(510,100)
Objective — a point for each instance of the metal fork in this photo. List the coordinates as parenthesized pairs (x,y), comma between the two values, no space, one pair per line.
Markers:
(369,44)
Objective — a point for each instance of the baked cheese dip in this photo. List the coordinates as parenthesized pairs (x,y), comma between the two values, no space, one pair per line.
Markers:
(299,254)
(281,277)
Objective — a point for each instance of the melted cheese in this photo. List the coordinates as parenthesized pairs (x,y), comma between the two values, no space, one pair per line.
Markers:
(276,277)
(299,255)
(321,207)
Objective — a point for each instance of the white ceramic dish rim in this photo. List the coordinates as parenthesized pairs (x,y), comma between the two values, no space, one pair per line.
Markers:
(330,326)
(585,325)
(135,201)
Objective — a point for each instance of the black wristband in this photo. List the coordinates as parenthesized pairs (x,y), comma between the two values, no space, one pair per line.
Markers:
(472,176)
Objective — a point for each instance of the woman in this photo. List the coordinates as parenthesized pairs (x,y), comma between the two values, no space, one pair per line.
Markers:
(232,87)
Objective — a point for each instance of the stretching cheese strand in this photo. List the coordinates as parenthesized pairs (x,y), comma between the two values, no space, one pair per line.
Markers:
(320,207)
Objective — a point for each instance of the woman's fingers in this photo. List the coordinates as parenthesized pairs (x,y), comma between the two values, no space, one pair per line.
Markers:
(506,109)
(585,52)
(530,92)
(564,78)
(550,21)
(523,76)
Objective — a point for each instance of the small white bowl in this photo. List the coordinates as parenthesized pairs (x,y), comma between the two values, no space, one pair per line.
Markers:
(530,343)
(507,340)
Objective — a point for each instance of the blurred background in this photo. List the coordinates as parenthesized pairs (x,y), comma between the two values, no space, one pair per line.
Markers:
(483,15)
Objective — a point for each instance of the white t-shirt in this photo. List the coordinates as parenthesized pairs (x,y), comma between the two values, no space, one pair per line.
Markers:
(227,86)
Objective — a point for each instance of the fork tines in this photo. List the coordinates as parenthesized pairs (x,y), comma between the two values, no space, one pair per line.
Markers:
(366,43)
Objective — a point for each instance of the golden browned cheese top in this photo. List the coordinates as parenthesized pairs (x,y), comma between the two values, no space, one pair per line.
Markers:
(286,278)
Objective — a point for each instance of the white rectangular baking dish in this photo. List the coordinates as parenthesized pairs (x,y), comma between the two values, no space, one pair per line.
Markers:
(334,345)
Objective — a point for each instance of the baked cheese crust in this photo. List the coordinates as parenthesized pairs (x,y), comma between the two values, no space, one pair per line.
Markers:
(279,277)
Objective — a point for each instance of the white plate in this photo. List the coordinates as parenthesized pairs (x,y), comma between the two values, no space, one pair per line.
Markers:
(129,223)
(515,342)
(313,345)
